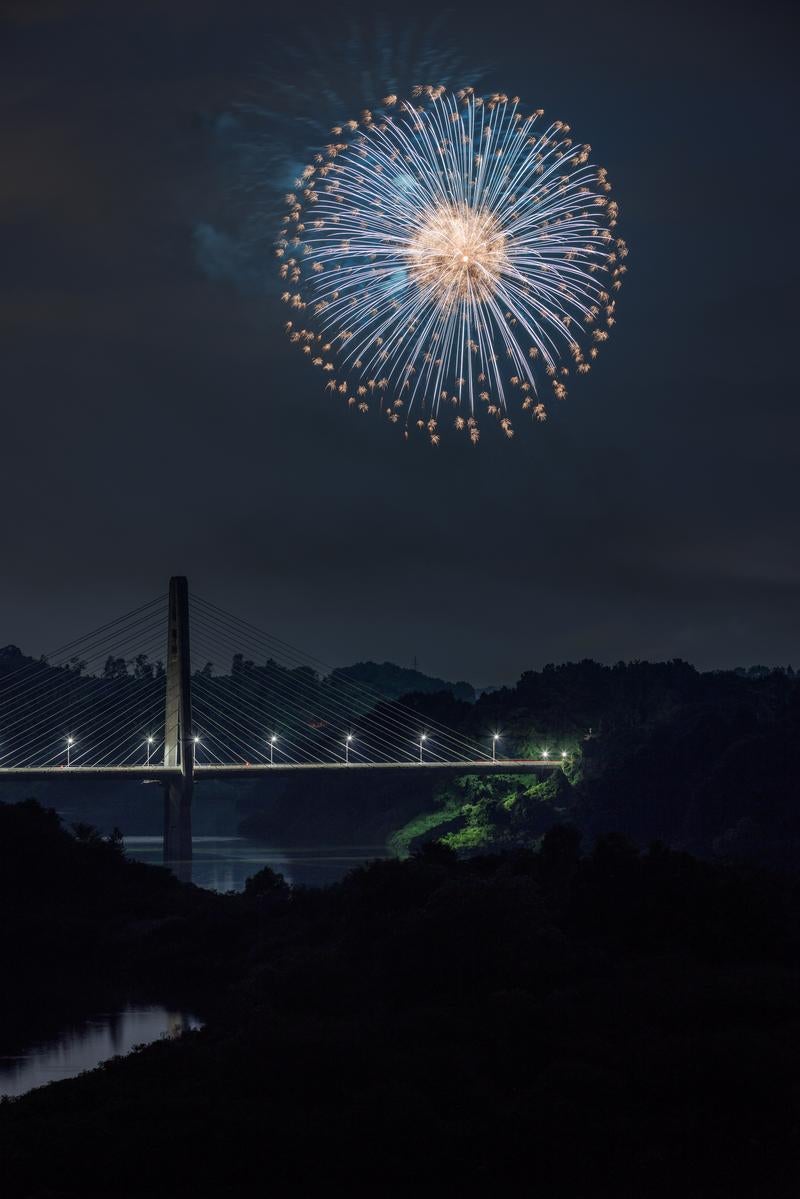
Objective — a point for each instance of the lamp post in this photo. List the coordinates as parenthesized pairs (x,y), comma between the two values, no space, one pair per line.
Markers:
(347,741)
(195,743)
(70,743)
(495,739)
(149,749)
(563,755)
(545,753)
(423,737)
(272,741)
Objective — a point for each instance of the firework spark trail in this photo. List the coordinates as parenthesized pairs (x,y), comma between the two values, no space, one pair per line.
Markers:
(444,253)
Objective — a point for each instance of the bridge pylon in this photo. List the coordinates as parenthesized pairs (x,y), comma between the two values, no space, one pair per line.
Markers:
(178,733)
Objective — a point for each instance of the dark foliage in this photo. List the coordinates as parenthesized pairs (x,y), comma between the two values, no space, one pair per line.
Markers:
(621,1023)
(703,762)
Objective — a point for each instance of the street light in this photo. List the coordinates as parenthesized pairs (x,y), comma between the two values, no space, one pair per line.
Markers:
(545,753)
(195,743)
(563,753)
(272,741)
(495,739)
(347,741)
(70,743)
(423,737)
(149,749)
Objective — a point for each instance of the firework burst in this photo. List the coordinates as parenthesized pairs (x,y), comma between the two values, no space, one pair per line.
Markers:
(447,254)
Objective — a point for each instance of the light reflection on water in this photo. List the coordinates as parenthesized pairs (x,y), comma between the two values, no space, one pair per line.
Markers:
(219,864)
(86,1045)
(224,863)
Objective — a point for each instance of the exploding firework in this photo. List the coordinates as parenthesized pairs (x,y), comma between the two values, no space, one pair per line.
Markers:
(447,253)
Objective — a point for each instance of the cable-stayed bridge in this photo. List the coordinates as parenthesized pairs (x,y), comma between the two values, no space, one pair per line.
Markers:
(127,702)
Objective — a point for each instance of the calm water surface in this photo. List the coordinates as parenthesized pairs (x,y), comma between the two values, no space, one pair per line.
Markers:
(220,864)
(224,863)
(89,1043)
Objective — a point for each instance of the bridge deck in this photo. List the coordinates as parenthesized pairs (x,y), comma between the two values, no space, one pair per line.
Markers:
(156,773)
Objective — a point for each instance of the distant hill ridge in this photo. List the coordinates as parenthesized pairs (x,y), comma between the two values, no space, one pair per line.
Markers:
(396,681)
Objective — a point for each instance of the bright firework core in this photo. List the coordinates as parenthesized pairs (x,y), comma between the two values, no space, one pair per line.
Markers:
(458,254)
(449,254)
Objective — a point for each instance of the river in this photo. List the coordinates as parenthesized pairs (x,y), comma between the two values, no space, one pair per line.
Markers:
(220,863)
(224,863)
(86,1044)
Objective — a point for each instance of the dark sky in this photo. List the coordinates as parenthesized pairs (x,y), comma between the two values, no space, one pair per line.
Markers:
(154,421)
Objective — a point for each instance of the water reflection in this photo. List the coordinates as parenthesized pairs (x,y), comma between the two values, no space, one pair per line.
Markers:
(224,863)
(86,1045)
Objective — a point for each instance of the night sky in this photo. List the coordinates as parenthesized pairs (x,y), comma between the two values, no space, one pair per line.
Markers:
(155,422)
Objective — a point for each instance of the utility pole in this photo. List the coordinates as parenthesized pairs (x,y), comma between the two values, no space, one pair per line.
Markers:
(178,749)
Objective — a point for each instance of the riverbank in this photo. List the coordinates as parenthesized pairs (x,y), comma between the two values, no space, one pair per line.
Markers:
(87,1042)
(456,1023)
(433,1022)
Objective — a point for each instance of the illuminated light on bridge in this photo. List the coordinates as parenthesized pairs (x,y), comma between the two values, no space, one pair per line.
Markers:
(110,684)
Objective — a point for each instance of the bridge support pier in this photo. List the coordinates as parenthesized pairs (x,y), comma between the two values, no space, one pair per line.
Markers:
(178,736)
(178,828)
